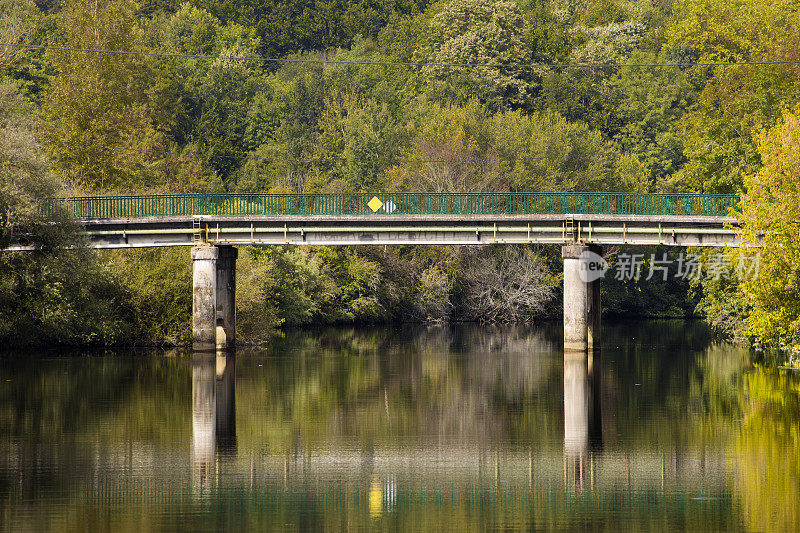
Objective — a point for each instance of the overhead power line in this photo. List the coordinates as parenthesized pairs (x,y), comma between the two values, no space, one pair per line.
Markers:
(403,63)
(255,157)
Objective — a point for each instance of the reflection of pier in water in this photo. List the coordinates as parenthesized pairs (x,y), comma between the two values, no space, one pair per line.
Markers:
(581,464)
(582,416)
(387,468)
(213,414)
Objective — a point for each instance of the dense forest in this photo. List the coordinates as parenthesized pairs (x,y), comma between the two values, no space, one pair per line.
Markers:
(367,95)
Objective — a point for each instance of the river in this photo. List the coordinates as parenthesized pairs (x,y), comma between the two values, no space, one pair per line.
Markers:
(461,427)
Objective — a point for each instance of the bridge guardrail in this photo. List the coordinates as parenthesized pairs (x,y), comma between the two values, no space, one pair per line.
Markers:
(494,203)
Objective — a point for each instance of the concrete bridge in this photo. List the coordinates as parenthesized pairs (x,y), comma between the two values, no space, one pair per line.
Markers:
(213,224)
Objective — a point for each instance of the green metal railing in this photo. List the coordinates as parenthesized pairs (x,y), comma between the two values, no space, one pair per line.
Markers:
(522,203)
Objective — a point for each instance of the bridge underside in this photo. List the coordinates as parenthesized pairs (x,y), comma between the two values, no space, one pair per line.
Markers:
(410,229)
(214,256)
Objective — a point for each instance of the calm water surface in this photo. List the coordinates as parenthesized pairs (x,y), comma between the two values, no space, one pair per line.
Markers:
(457,428)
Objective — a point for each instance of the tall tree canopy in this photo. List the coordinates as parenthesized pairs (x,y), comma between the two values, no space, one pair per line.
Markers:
(771,219)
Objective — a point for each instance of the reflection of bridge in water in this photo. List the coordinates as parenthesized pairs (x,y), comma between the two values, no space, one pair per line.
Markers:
(337,427)
(583,464)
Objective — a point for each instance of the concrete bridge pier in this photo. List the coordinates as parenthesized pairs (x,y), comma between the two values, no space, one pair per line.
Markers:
(213,297)
(226,297)
(582,318)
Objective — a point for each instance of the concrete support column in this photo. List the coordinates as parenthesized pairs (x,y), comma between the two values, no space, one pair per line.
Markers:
(226,297)
(582,311)
(576,300)
(594,307)
(204,297)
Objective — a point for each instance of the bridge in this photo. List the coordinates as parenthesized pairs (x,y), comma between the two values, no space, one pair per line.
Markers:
(213,224)
(400,218)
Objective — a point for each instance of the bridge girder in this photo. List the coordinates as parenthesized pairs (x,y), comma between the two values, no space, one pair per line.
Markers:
(409,229)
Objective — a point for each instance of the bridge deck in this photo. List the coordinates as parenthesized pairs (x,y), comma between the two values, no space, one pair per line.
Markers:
(401,218)
(411,229)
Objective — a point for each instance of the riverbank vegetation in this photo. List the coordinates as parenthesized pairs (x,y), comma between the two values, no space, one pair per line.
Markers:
(343,104)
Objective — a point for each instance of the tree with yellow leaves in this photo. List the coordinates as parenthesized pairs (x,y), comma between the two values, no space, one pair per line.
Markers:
(770,219)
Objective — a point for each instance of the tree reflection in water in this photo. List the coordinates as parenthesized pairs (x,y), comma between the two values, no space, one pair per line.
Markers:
(461,427)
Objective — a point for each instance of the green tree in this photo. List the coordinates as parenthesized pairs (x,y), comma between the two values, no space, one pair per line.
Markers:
(225,95)
(156,299)
(651,103)
(358,140)
(734,101)
(284,119)
(201,104)
(287,27)
(607,31)
(94,119)
(23,22)
(482,32)
(468,149)
(548,35)
(18,22)
(25,173)
(456,145)
(544,151)
(52,294)
(770,215)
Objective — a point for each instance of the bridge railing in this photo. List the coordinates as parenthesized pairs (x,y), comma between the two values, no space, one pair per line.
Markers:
(93,207)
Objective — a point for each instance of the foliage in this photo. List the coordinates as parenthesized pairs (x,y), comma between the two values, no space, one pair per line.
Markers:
(53,294)
(548,35)
(287,27)
(24,171)
(651,101)
(356,139)
(118,122)
(225,91)
(433,297)
(156,299)
(610,43)
(770,213)
(473,150)
(94,119)
(17,23)
(733,102)
(655,297)
(256,280)
(22,23)
(483,32)
(723,305)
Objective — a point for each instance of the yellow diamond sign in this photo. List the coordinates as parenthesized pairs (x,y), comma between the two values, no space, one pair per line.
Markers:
(375,204)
